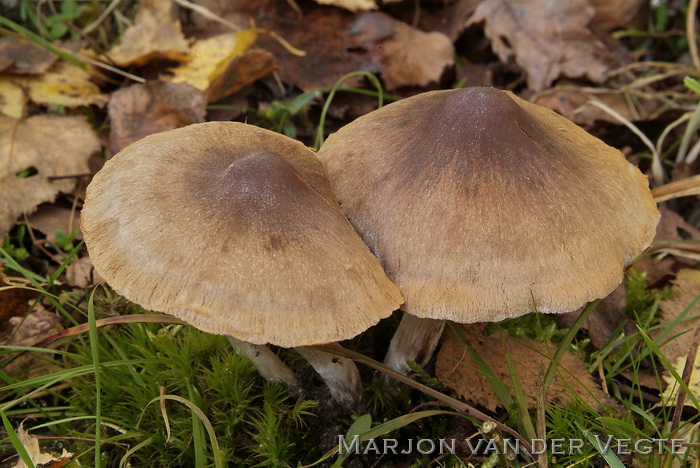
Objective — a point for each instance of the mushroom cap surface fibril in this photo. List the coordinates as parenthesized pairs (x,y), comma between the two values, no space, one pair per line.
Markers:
(476,202)
(235,230)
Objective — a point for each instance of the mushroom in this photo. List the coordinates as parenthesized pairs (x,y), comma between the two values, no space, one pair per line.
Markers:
(235,230)
(479,203)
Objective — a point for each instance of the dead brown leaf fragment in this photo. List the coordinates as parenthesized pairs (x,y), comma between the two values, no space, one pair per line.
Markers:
(52,217)
(548,38)
(44,146)
(22,57)
(31,445)
(142,109)
(154,35)
(611,14)
(686,289)
(415,58)
(575,104)
(240,72)
(28,331)
(458,371)
(13,301)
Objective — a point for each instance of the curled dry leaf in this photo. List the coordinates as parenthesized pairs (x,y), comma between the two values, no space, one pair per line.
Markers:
(352,5)
(154,35)
(415,58)
(51,146)
(65,85)
(31,445)
(240,72)
(23,57)
(143,109)
(548,38)
(224,64)
(13,98)
(458,371)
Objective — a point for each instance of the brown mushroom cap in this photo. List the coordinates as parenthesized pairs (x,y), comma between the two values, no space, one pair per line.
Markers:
(476,202)
(235,230)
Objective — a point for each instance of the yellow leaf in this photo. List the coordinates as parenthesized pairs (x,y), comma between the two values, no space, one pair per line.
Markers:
(65,85)
(154,35)
(211,57)
(13,101)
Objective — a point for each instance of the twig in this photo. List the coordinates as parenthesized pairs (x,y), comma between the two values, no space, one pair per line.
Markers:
(687,373)
(449,401)
(91,27)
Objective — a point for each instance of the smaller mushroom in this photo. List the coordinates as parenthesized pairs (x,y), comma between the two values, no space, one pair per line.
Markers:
(477,202)
(236,230)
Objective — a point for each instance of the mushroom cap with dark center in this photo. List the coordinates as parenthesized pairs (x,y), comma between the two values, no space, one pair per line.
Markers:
(235,230)
(477,202)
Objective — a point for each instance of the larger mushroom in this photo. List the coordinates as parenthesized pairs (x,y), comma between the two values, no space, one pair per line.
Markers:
(478,203)
(236,230)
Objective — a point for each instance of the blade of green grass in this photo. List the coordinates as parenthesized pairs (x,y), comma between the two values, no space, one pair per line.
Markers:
(98,388)
(16,443)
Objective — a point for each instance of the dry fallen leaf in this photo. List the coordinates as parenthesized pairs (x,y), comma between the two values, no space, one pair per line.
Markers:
(352,5)
(604,320)
(611,14)
(575,105)
(670,393)
(224,64)
(31,445)
(456,369)
(13,99)
(686,289)
(52,146)
(80,273)
(66,85)
(548,38)
(154,35)
(23,57)
(240,72)
(415,58)
(143,109)
(448,17)
(14,301)
(50,217)
(37,326)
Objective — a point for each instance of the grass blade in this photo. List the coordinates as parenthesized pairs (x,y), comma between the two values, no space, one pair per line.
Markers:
(16,443)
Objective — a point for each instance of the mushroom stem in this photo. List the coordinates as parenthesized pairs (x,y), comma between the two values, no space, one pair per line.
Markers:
(266,362)
(340,374)
(415,340)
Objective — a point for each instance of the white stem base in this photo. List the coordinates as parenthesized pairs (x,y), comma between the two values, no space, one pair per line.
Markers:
(340,374)
(268,364)
(414,340)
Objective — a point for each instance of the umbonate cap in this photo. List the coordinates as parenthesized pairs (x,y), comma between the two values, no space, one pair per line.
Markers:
(235,230)
(478,202)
